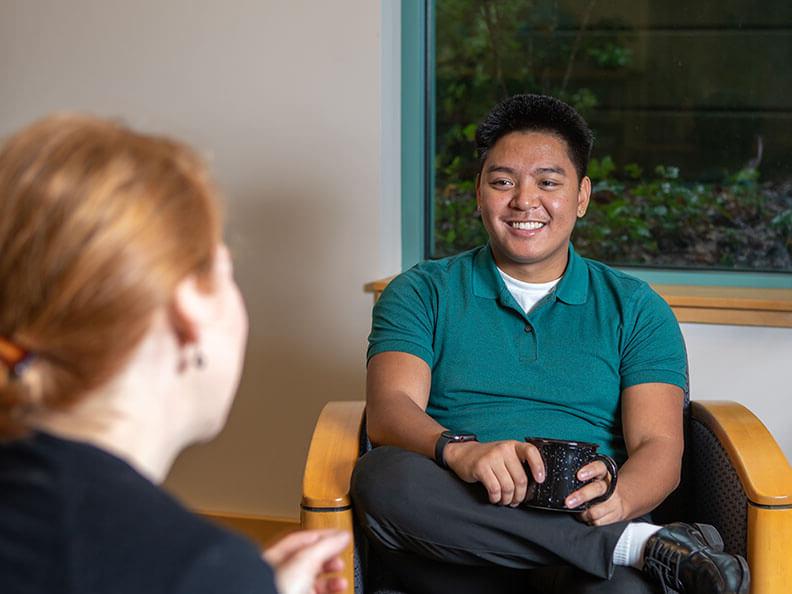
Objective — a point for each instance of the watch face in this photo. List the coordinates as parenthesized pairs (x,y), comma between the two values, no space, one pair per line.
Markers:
(459,436)
(447,437)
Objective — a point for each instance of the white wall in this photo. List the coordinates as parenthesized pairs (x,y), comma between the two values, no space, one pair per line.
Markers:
(750,365)
(285,98)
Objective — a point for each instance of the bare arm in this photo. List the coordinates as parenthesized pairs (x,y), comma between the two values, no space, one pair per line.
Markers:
(397,392)
(653,434)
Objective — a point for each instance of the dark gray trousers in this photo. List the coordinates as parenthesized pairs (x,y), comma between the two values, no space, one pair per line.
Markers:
(438,533)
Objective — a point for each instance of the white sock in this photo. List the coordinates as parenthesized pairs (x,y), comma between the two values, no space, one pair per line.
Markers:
(629,549)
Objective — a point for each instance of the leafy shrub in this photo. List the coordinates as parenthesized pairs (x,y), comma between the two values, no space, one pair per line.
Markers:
(489,49)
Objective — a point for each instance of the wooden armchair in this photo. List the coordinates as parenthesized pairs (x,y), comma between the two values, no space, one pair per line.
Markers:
(735,477)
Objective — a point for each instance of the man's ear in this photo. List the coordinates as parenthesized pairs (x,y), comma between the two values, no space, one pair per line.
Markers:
(478,191)
(187,310)
(584,195)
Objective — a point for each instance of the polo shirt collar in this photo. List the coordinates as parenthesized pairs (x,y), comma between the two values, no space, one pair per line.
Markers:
(486,280)
(572,288)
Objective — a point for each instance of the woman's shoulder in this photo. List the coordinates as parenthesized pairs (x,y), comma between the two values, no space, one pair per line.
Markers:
(155,542)
(109,527)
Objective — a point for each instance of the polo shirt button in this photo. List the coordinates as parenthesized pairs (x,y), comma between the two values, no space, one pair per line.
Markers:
(528,328)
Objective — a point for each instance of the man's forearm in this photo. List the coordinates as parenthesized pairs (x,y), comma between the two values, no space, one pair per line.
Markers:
(397,392)
(649,475)
(399,421)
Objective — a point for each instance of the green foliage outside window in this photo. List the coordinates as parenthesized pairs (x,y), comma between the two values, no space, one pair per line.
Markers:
(721,215)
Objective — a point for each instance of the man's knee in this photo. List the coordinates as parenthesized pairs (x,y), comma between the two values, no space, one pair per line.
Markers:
(384,493)
(382,481)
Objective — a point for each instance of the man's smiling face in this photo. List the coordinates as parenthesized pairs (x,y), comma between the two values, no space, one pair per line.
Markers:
(529,196)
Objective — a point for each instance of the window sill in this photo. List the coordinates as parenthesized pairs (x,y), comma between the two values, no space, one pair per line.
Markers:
(736,306)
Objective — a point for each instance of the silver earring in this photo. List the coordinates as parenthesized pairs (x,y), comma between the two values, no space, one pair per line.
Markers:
(197,360)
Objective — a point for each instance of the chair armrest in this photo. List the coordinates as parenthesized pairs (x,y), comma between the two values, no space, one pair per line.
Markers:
(335,448)
(754,454)
(766,480)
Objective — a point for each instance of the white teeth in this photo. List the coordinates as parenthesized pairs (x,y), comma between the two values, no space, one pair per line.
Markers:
(527,225)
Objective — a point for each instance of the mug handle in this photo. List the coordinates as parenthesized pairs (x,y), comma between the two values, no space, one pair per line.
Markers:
(609,462)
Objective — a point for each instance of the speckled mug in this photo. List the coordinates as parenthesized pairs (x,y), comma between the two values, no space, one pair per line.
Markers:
(562,460)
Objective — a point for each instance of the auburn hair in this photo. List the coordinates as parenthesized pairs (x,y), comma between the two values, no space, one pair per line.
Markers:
(98,225)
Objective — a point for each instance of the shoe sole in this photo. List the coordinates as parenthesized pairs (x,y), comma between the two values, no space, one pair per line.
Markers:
(745,585)
(713,539)
(711,536)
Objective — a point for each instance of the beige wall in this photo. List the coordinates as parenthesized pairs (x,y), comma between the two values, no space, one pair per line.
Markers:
(746,364)
(285,99)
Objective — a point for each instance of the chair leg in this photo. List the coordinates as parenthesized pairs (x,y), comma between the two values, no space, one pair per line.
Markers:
(769,532)
(337,519)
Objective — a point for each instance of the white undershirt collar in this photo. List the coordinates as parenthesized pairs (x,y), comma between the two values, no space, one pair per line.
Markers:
(527,295)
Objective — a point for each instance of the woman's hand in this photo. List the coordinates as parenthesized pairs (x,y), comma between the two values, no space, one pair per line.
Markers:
(609,511)
(301,558)
(498,465)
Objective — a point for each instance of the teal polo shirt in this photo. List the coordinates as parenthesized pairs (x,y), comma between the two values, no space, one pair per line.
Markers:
(558,371)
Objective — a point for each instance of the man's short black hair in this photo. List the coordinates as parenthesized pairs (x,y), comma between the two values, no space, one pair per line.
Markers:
(537,113)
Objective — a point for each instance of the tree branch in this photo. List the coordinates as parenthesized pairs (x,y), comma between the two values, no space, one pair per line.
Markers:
(576,44)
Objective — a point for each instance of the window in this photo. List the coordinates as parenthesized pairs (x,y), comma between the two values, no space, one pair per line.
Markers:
(690,102)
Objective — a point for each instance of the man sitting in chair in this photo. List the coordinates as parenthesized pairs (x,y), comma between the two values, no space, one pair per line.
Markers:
(523,336)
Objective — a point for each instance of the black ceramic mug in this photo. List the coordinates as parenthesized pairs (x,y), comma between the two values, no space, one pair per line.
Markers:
(562,461)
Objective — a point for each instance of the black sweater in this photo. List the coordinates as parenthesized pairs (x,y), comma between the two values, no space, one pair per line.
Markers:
(77,520)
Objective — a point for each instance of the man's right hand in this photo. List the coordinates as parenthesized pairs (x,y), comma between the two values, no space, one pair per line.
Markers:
(396,398)
(497,465)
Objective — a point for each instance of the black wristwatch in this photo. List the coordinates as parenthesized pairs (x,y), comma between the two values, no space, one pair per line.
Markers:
(447,437)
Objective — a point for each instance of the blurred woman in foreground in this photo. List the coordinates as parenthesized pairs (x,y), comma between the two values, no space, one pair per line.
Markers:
(122,335)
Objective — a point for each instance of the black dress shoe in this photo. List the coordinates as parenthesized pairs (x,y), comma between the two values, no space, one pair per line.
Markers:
(690,558)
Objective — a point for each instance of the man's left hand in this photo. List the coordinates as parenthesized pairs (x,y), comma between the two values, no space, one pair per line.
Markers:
(609,511)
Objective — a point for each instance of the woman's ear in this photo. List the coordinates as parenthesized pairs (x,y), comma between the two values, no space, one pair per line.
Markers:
(188,310)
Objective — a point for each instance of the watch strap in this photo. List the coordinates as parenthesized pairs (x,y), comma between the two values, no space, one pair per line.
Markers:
(445,438)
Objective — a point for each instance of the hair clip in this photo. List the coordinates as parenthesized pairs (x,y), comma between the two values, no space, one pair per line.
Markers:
(14,357)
